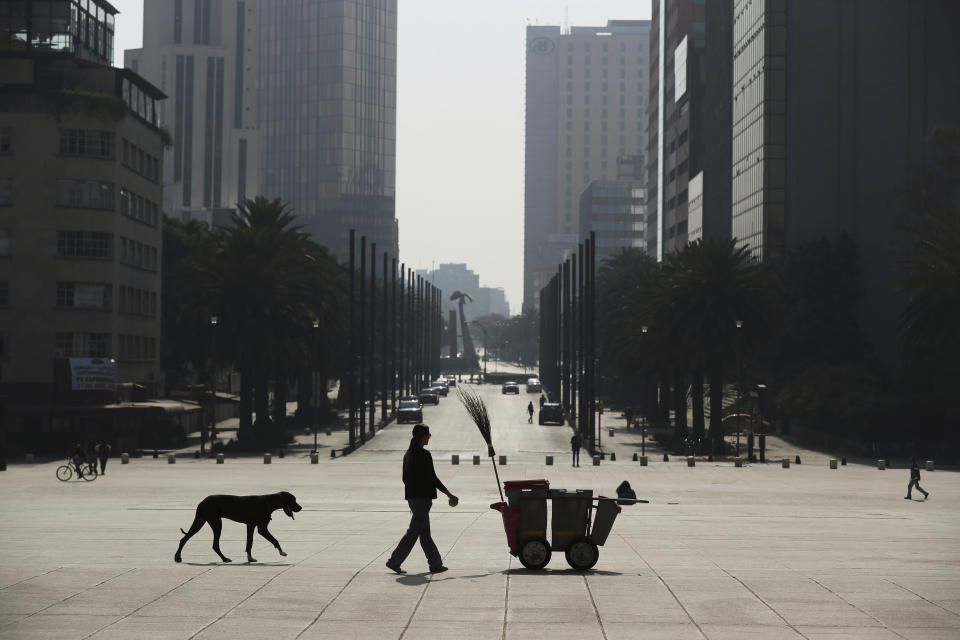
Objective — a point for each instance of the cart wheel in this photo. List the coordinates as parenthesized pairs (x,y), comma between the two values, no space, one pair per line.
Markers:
(534,553)
(582,554)
(64,472)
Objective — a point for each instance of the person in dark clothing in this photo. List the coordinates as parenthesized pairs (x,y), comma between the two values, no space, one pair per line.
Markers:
(420,484)
(543,399)
(575,443)
(530,412)
(79,457)
(103,454)
(915,481)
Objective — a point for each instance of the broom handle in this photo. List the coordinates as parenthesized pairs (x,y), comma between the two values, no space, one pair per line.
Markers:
(498,478)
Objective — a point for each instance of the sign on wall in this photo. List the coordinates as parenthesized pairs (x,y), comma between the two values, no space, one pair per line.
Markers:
(93,374)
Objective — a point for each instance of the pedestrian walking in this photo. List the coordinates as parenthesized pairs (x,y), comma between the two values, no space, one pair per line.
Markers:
(915,481)
(575,443)
(103,454)
(420,483)
(543,399)
(530,412)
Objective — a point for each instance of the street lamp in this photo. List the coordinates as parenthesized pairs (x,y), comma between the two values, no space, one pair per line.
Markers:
(213,384)
(739,325)
(763,437)
(313,382)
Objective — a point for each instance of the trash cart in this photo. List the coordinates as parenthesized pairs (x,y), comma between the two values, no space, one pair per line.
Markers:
(572,532)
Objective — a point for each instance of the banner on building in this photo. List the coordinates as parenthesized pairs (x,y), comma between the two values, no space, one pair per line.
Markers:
(93,374)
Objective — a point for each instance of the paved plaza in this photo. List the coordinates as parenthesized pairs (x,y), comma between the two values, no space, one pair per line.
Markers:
(720,552)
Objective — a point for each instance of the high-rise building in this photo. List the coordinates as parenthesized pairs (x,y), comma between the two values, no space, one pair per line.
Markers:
(833,104)
(80,194)
(616,211)
(688,150)
(586,98)
(453,276)
(289,99)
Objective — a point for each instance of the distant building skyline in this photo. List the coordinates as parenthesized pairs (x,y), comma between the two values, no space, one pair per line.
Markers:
(285,99)
(454,276)
(586,96)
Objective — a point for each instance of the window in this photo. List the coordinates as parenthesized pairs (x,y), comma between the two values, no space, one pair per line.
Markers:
(84,295)
(84,244)
(81,345)
(85,194)
(84,142)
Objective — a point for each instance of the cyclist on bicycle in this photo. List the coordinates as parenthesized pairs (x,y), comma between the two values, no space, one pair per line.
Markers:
(79,457)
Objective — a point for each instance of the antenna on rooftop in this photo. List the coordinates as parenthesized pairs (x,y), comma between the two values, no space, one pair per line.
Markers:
(566,18)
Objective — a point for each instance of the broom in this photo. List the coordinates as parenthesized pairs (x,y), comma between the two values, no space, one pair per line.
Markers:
(478,413)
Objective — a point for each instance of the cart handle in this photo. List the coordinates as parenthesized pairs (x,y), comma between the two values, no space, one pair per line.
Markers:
(622,500)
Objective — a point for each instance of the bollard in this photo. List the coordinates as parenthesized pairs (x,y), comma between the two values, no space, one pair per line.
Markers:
(476,459)
(281,454)
(219,458)
(613,456)
(666,458)
(833,463)
(333,453)
(266,458)
(634,456)
(881,464)
(307,431)
(549,461)
(710,458)
(929,465)
(738,462)
(611,432)
(171,458)
(314,457)
(691,461)
(643,461)
(785,463)
(156,454)
(328,431)
(503,461)
(596,461)
(455,459)
(30,458)
(797,460)
(124,458)
(843,461)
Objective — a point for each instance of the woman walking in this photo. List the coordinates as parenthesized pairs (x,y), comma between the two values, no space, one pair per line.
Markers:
(420,483)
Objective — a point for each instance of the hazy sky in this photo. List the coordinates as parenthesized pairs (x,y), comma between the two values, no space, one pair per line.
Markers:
(459,124)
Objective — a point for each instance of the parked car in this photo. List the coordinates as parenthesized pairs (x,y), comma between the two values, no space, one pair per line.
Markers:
(429,396)
(534,386)
(451,380)
(440,387)
(551,412)
(410,410)
(510,387)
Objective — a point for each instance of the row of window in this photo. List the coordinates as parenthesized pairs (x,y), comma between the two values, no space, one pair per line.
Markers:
(605,60)
(84,244)
(138,254)
(641,46)
(81,345)
(140,161)
(604,86)
(85,194)
(137,347)
(138,301)
(586,99)
(139,208)
(85,295)
(641,74)
(87,142)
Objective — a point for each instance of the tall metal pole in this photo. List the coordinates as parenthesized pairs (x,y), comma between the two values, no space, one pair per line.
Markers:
(593,366)
(373,337)
(213,383)
(385,328)
(393,336)
(362,369)
(314,383)
(574,332)
(352,367)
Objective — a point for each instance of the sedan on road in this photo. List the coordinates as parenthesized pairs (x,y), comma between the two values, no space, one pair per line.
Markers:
(551,412)
(429,396)
(440,389)
(410,410)
(510,387)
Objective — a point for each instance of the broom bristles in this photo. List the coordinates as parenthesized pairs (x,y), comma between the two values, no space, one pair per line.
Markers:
(477,411)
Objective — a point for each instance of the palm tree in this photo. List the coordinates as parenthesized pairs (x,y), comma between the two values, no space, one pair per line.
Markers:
(710,285)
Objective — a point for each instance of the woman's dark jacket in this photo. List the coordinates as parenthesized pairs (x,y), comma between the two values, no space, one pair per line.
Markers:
(419,478)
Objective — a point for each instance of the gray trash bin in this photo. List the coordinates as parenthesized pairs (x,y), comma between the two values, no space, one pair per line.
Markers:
(530,497)
(607,512)
(571,513)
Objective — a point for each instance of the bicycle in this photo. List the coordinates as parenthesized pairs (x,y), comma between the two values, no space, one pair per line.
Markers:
(86,470)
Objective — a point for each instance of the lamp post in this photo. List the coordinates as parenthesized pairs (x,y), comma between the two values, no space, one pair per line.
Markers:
(313,382)
(739,325)
(213,384)
(763,437)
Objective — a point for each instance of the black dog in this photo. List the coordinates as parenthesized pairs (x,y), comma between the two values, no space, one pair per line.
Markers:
(253,511)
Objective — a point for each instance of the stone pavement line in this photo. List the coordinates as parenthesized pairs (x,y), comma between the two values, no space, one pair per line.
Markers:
(39,575)
(664,583)
(340,592)
(430,580)
(765,603)
(258,590)
(593,602)
(882,624)
(506,597)
(950,611)
(146,604)
(74,595)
